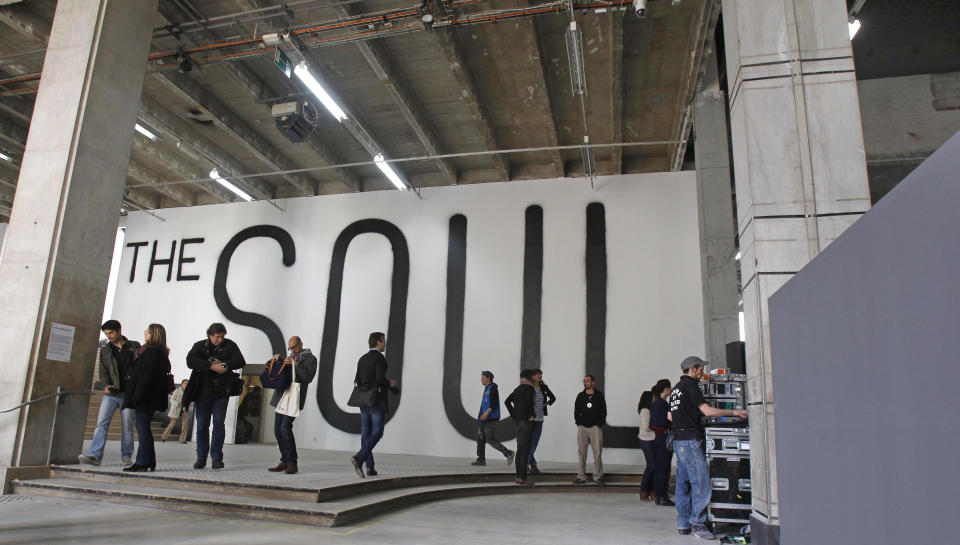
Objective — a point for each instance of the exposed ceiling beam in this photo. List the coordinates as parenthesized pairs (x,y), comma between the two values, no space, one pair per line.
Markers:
(12,133)
(259,89)
(616,87)
(141,198)
(448,45)
(703,25)
(25,21)
(532,45)
(184,169)
(31,25)
(189,89)
(145,176)
(405,99)
(18,107)
(160,118)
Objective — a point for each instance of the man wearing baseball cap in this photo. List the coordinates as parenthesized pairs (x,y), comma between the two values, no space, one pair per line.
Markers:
(488,418)
(693,491)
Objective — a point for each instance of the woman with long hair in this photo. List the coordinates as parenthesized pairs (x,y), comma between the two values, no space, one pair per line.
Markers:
(147,390)
(646,436)
(661,455)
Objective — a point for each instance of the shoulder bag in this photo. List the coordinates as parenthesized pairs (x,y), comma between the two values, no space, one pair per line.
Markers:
(363,396)
(289,402)
(277,375)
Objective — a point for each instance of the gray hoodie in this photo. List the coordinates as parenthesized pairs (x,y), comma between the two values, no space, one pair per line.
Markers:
(305,369)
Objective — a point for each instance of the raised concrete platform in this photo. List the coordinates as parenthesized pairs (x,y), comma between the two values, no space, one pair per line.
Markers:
(326,492)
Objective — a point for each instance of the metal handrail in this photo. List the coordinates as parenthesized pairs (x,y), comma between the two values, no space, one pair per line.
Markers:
(53,425)
(59,393)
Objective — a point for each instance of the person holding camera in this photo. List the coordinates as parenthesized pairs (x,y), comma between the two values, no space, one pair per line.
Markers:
(304,369)
(115,358)
(212,361)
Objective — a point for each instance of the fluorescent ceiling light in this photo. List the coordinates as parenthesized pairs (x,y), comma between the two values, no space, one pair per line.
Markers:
(854,27)
(142,130)
(6,157)
(311,82)
(389,173)
(236,190)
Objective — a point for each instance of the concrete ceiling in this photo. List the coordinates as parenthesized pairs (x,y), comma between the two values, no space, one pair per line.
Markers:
(490,75)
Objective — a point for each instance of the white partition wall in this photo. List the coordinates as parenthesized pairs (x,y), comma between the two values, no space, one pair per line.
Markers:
(525,276)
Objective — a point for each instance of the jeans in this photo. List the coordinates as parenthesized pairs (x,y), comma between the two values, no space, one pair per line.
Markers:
(146,456)
(205,408)
(283,430)
(693,490)
(109,405)
(372,420)
(648,456)
(486,434)
(534,441)
(524,437)
(661,469)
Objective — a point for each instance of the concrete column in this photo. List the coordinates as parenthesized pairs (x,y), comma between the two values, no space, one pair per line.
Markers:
(800,174)
(60,239)
(717,225)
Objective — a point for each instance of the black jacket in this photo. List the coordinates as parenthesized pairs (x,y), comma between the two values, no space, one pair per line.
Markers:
(520,402)
(108,370)
(548,397)
(595,415)
(372,373)
(147,387)
(202,378)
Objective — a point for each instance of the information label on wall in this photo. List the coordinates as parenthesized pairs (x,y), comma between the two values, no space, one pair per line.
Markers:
(61,342)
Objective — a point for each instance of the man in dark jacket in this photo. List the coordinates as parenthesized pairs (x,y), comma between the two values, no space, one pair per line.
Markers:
(488,418)
(520,403)
(543,398)
(212,361)
(590,414)
(372,373)
(304,369)
(115,359)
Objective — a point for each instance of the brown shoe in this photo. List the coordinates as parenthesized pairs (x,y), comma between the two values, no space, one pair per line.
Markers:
(534,470)
(478,463)
(280,467)
(645,496)
(290,469)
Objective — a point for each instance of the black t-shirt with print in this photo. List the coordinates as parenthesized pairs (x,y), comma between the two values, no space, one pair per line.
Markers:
(685,401)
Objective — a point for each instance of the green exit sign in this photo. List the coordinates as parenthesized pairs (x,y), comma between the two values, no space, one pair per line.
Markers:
(283,62)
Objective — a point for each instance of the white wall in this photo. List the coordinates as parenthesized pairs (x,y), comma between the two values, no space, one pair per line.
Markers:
(655,314)
(3,233)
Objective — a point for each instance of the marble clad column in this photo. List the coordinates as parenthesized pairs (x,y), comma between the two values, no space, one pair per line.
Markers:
(801,177)
(56,258)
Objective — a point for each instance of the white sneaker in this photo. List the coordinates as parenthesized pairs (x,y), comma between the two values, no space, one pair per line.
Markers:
(89,460)
(127,462)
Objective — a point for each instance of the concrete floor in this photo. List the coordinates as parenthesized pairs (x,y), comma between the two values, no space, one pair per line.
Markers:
(531,519)
(549,518)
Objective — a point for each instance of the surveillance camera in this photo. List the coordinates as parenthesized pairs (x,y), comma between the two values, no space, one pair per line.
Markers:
(640,7)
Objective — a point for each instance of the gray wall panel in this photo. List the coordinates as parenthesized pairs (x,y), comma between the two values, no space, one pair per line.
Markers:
(866,360)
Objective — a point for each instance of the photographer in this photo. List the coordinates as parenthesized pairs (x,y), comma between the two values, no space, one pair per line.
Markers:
(212,361)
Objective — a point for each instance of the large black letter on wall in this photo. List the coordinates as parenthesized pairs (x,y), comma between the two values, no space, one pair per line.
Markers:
(396,327)
(596,273)
(462,421)
(257,321)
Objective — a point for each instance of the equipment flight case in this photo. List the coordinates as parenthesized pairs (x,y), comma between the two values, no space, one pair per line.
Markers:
(728,457)
(728,451)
